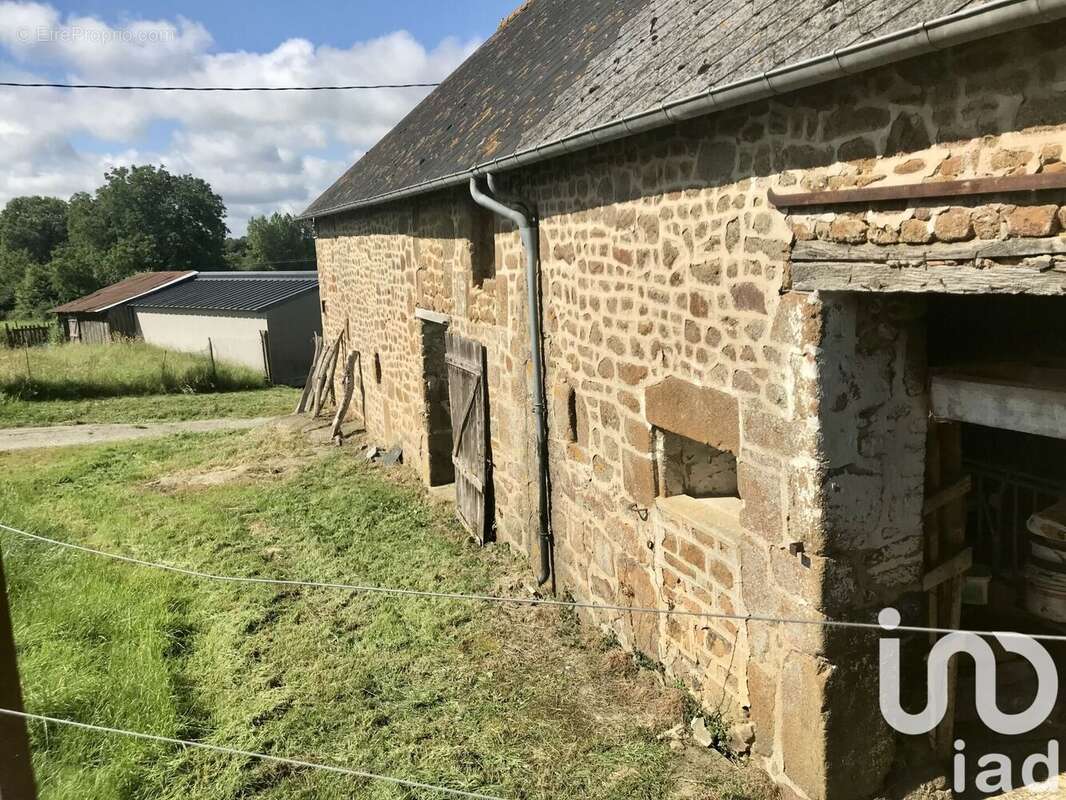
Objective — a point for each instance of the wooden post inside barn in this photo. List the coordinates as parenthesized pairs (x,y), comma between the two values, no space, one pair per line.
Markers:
(16,768)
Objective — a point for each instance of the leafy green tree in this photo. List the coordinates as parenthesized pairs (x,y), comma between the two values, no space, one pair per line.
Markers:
(35,294)
(36,225)
(13,266)
(235,251)
(279,242)
(140,219)
(177,221)
(75,270)
(126,257)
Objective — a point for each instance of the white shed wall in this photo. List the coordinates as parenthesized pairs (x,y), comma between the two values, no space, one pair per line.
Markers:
(234,335)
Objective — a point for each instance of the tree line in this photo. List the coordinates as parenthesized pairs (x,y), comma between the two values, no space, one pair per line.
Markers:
(142,219)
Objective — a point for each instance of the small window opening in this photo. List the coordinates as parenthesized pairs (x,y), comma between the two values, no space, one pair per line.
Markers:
(377,368)
(571,415)
(323,303)
(483,246)
(695,469)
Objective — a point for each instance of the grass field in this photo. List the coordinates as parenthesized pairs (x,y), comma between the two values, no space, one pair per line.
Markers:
(83,371)
(267,402)
(509,701)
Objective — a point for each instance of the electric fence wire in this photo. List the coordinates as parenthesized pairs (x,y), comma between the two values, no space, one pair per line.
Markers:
(525,601)
(355,773)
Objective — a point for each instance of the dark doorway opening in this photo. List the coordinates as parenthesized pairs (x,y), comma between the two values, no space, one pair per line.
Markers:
(998,379)
(438,407)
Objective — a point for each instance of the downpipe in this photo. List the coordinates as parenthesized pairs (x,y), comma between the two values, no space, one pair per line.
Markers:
(521,215)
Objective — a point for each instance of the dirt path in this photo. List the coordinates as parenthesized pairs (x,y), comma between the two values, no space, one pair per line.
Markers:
(64,435)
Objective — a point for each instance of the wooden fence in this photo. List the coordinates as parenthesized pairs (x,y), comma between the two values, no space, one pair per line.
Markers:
(27,335)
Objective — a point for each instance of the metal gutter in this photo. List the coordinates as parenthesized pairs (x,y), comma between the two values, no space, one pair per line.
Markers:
(999,16)
(526,220)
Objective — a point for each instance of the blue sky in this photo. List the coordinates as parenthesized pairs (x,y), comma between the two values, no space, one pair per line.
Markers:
(261,152)
(263,26)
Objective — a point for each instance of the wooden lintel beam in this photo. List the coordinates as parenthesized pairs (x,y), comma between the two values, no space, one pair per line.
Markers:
(1044,181)
(1040,410)
(852,276)
(928,254)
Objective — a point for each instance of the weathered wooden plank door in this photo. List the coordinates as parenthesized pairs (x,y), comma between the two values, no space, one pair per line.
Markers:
(468,397)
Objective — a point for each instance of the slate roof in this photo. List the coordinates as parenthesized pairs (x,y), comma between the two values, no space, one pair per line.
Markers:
(232,291)
(558,67)
(122,292)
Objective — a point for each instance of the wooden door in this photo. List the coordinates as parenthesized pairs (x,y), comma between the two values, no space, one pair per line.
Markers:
(468,397)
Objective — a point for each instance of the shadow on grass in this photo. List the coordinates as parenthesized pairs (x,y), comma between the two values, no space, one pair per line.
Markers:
(199,380)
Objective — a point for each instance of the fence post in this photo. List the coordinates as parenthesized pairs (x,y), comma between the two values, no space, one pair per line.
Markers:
(211,355)
(16,766)
(264,341)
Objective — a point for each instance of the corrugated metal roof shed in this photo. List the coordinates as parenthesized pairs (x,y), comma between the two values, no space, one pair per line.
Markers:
(125,290)
(232,291)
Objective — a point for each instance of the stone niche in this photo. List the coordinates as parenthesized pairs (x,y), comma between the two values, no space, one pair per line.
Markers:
(693,468)
(697,438)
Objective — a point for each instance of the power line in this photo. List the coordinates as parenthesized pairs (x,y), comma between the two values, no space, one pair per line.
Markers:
(520,601)
(248,754)
(137,88)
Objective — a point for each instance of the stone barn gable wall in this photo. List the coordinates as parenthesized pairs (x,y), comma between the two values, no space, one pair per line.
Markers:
(665,283)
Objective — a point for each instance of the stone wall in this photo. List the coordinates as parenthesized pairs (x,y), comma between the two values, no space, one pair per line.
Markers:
(665,276)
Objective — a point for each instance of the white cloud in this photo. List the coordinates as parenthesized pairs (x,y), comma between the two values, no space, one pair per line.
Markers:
(261,151)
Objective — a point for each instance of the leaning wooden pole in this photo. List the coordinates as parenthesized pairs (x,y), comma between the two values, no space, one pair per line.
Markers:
(330,381)
(16,767)
(348,385)
(329,364)
(301,406)
(316,383)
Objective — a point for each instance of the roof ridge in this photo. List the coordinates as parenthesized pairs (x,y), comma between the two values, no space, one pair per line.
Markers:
(496,110)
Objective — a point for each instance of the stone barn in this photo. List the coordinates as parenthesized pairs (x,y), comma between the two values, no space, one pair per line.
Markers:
(748,309)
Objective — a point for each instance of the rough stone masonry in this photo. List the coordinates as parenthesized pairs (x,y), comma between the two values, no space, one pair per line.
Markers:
(669,310)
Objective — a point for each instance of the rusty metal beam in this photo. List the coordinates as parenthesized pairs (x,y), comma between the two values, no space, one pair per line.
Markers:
(1045,181)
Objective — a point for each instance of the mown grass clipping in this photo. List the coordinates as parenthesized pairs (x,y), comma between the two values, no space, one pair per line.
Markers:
(509,701)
